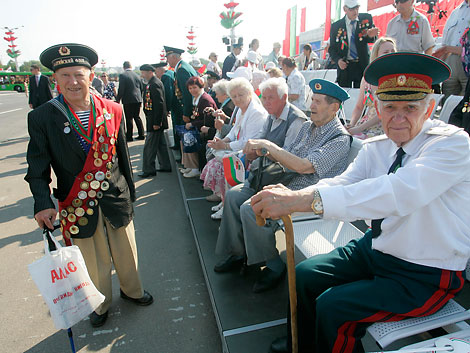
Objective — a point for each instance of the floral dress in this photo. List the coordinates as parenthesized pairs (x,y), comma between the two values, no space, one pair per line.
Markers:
(369,112)
(108,91)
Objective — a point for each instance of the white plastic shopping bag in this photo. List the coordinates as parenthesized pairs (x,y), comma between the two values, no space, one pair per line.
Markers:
(62,278)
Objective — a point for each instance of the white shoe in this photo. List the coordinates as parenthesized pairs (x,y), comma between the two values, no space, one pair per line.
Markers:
(218,214)
(185,170)
(218,207)
(192,173)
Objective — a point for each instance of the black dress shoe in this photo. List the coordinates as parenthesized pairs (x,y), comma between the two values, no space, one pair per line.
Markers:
(144,300)
(129,139)
(164,170)
(230,264)
(175,147)
(279,345)
(146,175)
(140,138)
(98,320)
(268,280)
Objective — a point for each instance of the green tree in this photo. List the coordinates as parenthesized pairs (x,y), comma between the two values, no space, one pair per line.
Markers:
(26,67)
(11,64)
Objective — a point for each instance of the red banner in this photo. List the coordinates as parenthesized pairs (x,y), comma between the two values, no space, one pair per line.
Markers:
(375,4)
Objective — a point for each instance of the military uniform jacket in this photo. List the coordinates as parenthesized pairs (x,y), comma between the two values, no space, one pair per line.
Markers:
(154,104)
(229,62)
(183,72)
(459,117)
(339,41)
(53,146)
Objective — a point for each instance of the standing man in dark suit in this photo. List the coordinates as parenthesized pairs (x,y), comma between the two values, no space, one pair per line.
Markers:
(231,60)
(39,88)
(157,122)
(130,93)
(172,104)
(81,137)
(183,71)
(349,39)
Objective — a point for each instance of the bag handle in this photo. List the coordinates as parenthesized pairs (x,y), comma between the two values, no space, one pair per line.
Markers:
(50,242)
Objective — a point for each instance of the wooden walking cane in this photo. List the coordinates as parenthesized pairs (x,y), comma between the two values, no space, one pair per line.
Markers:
(289,230)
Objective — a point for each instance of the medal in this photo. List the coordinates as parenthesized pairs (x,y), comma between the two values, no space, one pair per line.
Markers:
(72,218)
(67,130)
(104,185)
(70,209)
(64,213)
(108,175)
(84,185)
(79,212)
(63,221)
(465,108)
(104,156)
(92,194)
(83,221)
(101,139)
(67,234)
(109,165)
(74,230)
(98,162)
(88,177)
(96,154)
(95,184)
(112,141)
(82,195)
(90,212)
(99,194)
(99,176)
(92,203)
(76,202)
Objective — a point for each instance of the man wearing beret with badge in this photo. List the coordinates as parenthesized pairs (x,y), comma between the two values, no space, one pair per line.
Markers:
(157,121)
(183,71)
(319,150)
(212,78)
(412,183)
(81,136)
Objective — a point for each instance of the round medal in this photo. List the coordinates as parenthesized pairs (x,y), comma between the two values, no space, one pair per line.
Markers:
(63,213)
(99,194)
(99,176)
(98,162)
(92,194)
(88,176)
(96,154)
(72,218)
(104,185)
(82,195)
(61,228)
(67,129)
(91,203)
(76,202)
(112,141)
(67,234)
(79,212)
(101,139)
(70,209)
(83,221)
(90,212)
(104,156)
(108,175)
(63,221)
(74,230)
(84,185)
(109,165)
(95,184)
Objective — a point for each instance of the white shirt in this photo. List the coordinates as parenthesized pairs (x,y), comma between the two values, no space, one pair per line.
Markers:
(249,124)
(296,85)
(214,67)
(417,43)
(425,204)
(458,21)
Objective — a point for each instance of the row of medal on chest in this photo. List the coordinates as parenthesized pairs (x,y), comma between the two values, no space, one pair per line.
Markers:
(92,189)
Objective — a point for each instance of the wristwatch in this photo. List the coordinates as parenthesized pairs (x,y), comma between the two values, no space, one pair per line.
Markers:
(317,204)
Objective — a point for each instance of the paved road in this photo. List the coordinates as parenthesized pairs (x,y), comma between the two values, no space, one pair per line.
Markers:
(181,319)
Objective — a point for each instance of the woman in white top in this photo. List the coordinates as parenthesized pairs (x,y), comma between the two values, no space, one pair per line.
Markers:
(364,120)
(249,121)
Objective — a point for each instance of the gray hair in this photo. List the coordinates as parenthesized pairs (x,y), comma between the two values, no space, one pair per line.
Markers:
(240,83)
(277,83)
(221,87)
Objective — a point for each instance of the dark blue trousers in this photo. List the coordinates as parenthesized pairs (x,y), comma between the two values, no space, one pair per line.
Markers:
(343,292)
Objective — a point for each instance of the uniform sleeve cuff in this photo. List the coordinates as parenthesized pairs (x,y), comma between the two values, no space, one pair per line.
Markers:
(334,203)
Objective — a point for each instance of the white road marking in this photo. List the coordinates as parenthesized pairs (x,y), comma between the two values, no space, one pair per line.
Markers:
(13,110)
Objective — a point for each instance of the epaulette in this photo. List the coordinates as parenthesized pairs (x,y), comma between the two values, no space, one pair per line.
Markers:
(376,138)
(444,130)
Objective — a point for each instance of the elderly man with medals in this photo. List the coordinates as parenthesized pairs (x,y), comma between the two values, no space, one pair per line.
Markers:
(412,183)
(81,136)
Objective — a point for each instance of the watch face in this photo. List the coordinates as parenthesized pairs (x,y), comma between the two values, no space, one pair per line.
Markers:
(318,206)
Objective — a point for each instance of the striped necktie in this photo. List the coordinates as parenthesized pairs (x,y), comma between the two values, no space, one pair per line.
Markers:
(352,41)
(376,223)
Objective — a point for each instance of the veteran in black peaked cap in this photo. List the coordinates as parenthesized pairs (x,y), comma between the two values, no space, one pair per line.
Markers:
(80,136)
(412,184)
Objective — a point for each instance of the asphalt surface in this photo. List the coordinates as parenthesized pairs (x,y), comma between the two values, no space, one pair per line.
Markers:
(180,319)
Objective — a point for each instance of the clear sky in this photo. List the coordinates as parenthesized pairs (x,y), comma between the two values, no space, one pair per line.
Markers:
(137,30)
